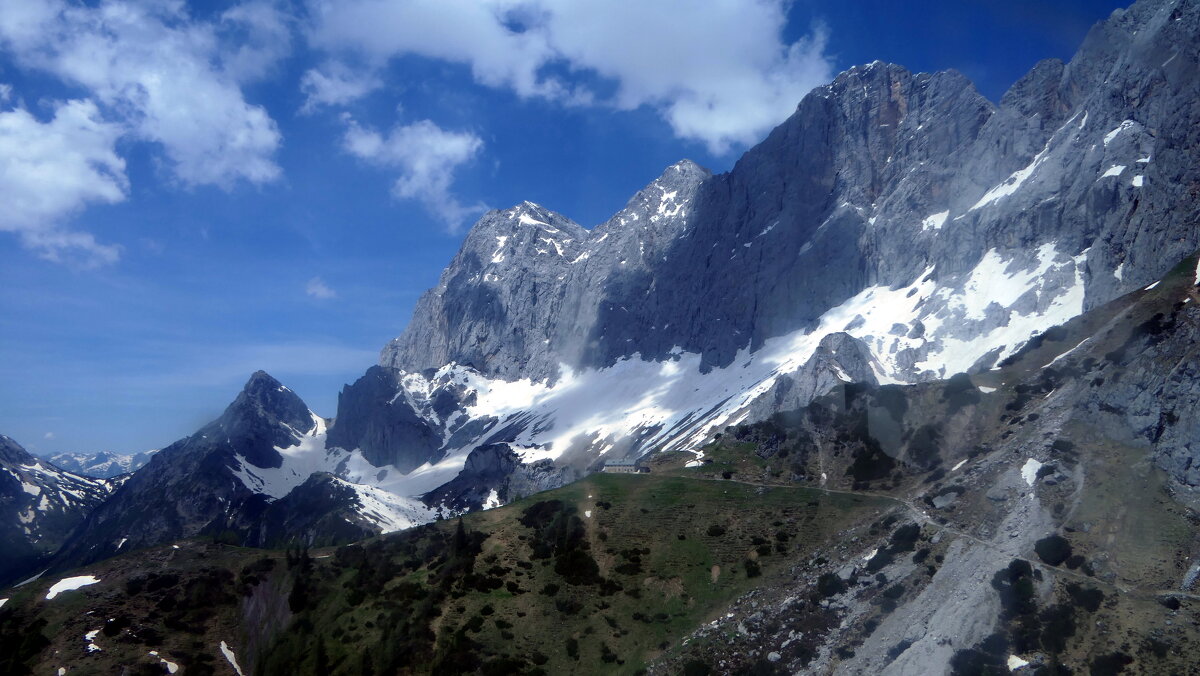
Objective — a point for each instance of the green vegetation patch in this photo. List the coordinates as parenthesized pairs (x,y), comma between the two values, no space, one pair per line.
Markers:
(597,577)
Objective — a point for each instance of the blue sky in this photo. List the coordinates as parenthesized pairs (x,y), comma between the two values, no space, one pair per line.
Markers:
(193,191)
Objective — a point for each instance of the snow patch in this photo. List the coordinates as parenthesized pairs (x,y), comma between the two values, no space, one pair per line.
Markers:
(1127,124)
(70,584)
(492,501)
(526,219)
(986,390)
(1114,170)
(1138,181)
(498,254)
(1151,287)
(171,666)
(1015,180)
(1029,471)
(960,464)
(388,511)
(1015,662)
(935,222)
(90,637)
(228,653)
(2,602)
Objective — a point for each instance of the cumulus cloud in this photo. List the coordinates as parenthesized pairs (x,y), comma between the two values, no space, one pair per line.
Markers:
(169,79)
(718,72)
(317,288)
(51,170)
(427,157)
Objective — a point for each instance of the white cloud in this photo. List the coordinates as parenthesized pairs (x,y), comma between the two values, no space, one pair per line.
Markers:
(718,72)
(170,79)
(426,156)
(317,288)
(51,170)
(336,84)
(262,33)
(48,436)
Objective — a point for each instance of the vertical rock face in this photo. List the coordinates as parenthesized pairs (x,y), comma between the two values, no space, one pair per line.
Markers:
(40,505)
(876,178)
(376,419)
(936,230)
(524,293)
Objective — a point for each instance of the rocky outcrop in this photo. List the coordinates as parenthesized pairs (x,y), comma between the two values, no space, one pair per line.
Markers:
(493,475)
(376,418)
(838,359)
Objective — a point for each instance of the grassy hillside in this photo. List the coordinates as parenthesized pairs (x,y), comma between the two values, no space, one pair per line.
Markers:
(600,576)
(597,577)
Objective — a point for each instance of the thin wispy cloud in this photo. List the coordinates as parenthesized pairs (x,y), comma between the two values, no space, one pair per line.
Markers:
(317,288)
(334,84)
(426,156)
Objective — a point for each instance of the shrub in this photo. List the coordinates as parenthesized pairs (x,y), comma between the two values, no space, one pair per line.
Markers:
(1053,549)
(830,585)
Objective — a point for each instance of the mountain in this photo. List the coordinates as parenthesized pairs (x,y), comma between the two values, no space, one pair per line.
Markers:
(897,228)
(40,504)
(916,382)
(102,464)
(236,479)
(1013,520)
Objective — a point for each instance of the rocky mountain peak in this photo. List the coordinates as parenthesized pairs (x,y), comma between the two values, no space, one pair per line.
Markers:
(264,400)
(265,415)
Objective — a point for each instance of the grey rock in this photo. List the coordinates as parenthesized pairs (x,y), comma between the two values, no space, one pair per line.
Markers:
(881,179)
(837,360)
(375,417)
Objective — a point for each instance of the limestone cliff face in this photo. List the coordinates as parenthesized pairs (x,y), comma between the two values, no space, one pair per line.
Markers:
(937,230)
(876,178)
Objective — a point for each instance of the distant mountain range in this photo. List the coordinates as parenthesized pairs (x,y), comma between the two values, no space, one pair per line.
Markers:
(102,464)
